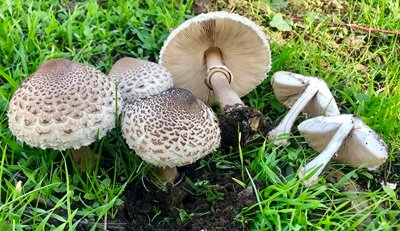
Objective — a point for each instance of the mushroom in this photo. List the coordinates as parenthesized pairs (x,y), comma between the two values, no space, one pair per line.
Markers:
(300,93)
(354,142)
(220,56)
(63,105)
(170,130)
(139,78)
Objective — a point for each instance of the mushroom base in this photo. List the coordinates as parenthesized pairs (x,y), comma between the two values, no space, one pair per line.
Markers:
(241,118)
(84,158)
(166,174)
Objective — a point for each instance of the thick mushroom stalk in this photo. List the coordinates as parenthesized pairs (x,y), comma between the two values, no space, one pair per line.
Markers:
(84,158)
(166,174)
(300,93)
(285,126)
(219,78)
(235,112)
(326,155)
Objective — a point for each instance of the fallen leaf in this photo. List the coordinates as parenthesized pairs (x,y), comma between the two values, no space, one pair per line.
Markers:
(278,4)
(280,23)
(361,68)
(355,42)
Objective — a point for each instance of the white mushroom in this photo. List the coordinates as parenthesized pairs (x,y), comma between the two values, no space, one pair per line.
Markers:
(139,78)
(63,105)
(170,129)
(354,142)
(300,93)
(219,56)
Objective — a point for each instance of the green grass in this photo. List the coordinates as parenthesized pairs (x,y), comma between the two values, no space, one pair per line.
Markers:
(40,192)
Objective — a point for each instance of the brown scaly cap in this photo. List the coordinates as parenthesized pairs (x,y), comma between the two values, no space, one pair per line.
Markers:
(139,78)
(171,129)
(63,105)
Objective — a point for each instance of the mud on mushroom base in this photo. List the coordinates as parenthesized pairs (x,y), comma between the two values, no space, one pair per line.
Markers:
(251,123)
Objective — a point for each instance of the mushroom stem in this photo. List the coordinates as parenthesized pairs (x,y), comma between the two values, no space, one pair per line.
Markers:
(326,155)
(84,158)
(218,79)
(286,124)
(166,174)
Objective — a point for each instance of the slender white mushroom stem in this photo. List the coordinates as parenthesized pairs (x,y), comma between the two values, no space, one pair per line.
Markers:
(285,126)
(166,174)
(326,155)
(218,80)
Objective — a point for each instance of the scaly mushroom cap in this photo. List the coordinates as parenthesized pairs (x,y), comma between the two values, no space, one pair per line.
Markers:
(139,78)
(63,105)
(288,87)
(244,48)
(362,147)
(171,129)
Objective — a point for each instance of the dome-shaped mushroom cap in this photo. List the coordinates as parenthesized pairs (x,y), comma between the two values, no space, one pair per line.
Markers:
(139,78)
(244,47)
(63,105)
(171,129)
(362,147)
(288,87)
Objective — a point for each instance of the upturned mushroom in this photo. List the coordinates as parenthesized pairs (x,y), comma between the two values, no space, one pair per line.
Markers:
(170,130)
(63,105)
(300,93)
(220,56)
(345,135)
(139,78)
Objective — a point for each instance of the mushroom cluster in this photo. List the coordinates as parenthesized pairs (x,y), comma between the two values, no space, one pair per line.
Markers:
(330,133)
(167,127)
(216,56)
(67,105)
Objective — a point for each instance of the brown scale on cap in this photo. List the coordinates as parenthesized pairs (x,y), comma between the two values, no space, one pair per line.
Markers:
(63,105)
(139,78)
(171,129)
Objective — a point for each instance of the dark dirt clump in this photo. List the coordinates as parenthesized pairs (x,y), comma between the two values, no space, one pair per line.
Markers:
(247,120)
(205,199)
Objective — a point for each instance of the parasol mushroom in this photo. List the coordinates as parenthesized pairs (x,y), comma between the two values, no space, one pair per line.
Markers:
(354,142)
(170,130)
(63,105)
(300,93)
(220,56)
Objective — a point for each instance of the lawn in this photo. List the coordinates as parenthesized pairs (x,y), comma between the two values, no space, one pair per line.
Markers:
(353,45)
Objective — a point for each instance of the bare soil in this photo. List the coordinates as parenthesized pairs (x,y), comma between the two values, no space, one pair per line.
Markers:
(182,207)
